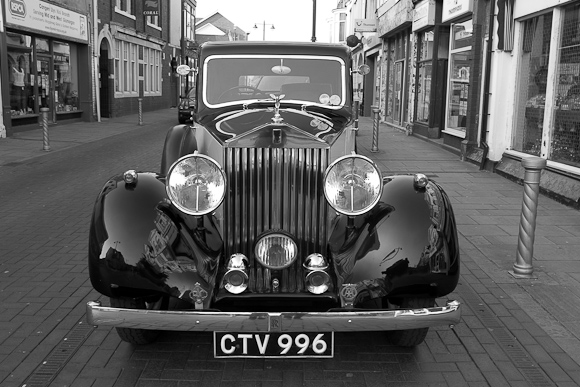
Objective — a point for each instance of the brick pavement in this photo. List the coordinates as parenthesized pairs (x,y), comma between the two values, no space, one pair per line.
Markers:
(513,331)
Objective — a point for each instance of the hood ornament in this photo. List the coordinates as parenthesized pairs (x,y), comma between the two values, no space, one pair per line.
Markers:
(277,119)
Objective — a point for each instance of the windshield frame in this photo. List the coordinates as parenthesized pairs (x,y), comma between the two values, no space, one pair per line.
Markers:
(343,85)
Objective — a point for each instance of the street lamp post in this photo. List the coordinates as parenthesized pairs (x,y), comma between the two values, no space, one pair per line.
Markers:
(264,28)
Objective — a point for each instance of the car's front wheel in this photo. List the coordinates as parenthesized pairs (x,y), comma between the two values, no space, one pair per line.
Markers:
(411,337)
(131,335)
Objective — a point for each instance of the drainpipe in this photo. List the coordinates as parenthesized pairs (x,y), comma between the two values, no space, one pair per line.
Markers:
(96,61)
(486,81)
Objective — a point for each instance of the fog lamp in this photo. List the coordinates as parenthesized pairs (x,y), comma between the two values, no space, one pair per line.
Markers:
(317,279)
(276,251)
(236,278)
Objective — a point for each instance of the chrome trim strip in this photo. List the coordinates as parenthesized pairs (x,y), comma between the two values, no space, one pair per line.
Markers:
(284,322)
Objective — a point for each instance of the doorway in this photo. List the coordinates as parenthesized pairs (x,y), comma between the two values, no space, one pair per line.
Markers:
(45,86)
(104,79)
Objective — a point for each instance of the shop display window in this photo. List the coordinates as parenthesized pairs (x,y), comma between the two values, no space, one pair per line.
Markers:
(460,59)
(532,84)
(424,75)
(565,140)
(66,78)
(19,53)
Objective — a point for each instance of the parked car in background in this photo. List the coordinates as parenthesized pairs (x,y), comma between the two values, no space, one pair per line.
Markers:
(264,226)
(186,106)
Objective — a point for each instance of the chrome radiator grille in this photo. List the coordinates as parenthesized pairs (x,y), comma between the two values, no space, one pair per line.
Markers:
(275,189)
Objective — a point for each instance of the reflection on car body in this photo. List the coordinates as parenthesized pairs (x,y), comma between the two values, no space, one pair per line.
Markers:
(265,226)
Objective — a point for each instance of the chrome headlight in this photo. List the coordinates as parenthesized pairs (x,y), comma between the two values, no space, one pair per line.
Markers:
(353,184)
(276,251)
(196,184)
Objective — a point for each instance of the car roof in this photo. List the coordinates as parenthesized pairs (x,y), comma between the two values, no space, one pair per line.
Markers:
(276,48)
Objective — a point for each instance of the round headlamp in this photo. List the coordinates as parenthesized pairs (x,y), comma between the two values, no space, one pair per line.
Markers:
(353,184)
(196,184)
(276,251)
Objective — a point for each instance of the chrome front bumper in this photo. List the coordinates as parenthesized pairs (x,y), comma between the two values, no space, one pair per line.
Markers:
(274,322)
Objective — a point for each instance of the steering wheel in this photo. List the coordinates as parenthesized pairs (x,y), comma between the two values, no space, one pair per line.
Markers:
(230,94)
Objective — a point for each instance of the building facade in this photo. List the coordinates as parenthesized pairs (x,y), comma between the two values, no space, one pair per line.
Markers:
(493,80)
(88,60)
(536,79)
(136,56)
(47,57)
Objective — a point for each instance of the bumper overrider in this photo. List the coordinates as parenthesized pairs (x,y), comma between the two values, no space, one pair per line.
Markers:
(339,321)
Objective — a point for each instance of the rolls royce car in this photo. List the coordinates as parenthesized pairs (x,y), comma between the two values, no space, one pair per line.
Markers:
(264,225)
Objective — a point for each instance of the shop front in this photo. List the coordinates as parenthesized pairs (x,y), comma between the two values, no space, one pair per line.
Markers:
(457,14)
(431,54)
(394,27)
(546,108)
(47,59)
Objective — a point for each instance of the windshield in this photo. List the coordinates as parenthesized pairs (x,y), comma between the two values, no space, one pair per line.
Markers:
(229,79)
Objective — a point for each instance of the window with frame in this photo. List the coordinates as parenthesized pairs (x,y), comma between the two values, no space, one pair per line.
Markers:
(153,20)
(152,71)
(124,6)
(189,18)
(460,59)
(424,74)
(532,84)
(342,27)
(125,69)
(565,139)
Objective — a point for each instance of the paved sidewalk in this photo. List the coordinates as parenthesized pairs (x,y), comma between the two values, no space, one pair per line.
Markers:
(487,207)
(29,144)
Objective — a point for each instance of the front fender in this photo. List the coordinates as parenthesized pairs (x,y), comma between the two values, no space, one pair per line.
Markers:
(140,246)
(406,246)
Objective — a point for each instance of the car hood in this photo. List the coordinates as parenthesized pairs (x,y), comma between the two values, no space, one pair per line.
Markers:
(234,125)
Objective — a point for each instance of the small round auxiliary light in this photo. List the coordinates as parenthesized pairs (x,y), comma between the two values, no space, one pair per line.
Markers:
(130,177)
(317,279)
(420,180)
(236,278)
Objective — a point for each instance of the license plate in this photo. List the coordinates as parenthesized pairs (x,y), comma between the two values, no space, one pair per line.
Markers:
(273,344)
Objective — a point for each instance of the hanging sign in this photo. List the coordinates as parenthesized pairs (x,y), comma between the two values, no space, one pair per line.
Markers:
(365,25)
(151,7)
(47,18)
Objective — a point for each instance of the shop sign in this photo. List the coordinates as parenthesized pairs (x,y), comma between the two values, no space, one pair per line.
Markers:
(46,18)
(424,14)
(401,14)
(455,8)
(151,7)
(365,25)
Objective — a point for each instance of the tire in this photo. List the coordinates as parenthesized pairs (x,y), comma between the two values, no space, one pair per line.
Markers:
(411,337)
(131,335)
(182,120)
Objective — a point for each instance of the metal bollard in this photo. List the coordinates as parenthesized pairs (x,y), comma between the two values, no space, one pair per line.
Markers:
(140,111)
(356,107)
(45,139)
(523,266)
(375,146)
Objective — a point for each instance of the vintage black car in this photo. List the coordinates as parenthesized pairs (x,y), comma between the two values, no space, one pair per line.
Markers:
(265,226)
